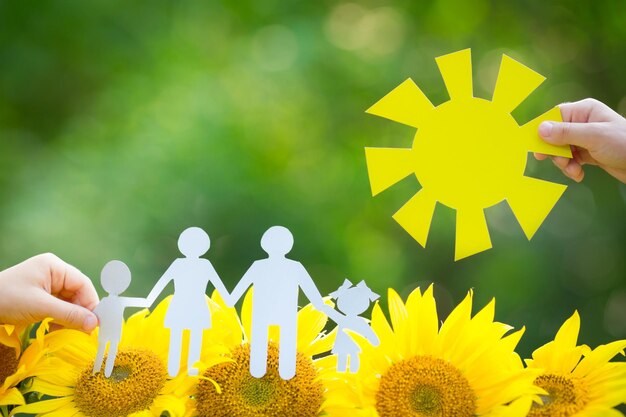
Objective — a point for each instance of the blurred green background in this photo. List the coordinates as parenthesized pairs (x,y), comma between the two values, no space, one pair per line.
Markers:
(122,123)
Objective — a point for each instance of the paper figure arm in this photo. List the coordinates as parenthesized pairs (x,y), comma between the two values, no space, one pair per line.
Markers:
(246,281)
(367,332)
(135,302)
(98,311)
(315,297)
(161,284)
(217,283)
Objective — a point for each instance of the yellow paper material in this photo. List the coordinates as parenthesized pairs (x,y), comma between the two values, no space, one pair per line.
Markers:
(387,166)
(456,70)
(468,153)
(472,235)
(415,216)
(406,104)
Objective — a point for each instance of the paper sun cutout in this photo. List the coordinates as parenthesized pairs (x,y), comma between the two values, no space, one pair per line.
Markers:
(277,281)
(468,153)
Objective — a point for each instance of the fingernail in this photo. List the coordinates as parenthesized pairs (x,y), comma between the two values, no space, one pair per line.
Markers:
(545,129)
(90,323)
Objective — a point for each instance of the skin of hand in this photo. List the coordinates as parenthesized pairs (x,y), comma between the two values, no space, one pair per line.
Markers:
(44,286)
(597,135)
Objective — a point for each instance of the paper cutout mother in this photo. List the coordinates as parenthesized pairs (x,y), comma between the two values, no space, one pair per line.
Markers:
(188,309)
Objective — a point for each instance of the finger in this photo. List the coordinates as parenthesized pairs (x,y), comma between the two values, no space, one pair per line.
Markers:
(583,157)
(540,156)
(575,171)
(560,161)
(569,167)
(69,283)
(584,135)
(577,111)
(587,110)
(66,314)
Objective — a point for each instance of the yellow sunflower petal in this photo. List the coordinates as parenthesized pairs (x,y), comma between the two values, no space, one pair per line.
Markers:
(46,406)
(381,327)
(599,356)
(453,326)
(246,313)
(399,315)
(11,397)
(323,343)
(48,388)
(310,323)
(423,313)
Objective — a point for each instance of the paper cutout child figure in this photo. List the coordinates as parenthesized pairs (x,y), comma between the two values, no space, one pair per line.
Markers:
(115,279)
(352,301)
(277,281)
(188,309)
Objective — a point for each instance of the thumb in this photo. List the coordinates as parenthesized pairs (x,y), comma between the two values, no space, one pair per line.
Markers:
(584,135)
(68,314)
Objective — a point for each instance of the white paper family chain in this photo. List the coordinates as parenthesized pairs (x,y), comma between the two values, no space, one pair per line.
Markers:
(277,282)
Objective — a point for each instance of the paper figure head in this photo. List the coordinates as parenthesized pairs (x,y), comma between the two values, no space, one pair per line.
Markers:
(277,241)
(354,300)
(194,242)
(115,277)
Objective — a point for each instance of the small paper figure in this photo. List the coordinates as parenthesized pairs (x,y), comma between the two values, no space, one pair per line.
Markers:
(115,279)
(352,301)
(188,309)
(277,281)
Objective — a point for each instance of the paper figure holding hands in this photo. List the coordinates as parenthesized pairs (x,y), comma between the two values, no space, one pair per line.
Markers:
(277,281)
(352,301)
(115,279)
(188,309)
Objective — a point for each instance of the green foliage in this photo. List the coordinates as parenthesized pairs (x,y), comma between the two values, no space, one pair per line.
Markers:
(122,123)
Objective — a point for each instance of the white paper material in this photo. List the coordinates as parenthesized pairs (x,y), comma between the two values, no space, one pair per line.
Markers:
(115,279)
(188,309)
(352,301)
(277,282)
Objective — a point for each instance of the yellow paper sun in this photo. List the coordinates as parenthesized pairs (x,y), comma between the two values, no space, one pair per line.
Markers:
(468,154)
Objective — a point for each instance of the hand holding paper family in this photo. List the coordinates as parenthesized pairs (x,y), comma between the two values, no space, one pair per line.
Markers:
(277,282)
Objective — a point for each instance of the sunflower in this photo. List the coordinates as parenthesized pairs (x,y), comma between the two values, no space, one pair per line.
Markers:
(467,367)
(579,381)
(17,364)
(228,389)
(139,385)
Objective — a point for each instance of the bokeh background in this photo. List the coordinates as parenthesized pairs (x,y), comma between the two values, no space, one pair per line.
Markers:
(122,123)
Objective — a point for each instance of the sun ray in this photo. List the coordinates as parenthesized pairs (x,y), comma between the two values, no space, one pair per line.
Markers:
(536,144)
(405,104)
(416,215)
(472,234)
(387,166)
(515,82)
(456,70)
(531,202)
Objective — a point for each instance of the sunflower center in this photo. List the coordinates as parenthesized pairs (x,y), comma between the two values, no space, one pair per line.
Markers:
(245,396)
(137,378)
(258,392)
(566,396)
(8,362)
(424,386)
